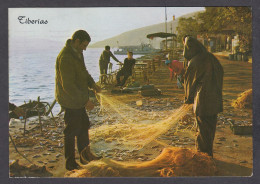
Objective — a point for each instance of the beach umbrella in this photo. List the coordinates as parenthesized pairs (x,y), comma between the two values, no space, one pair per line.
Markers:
(160,35)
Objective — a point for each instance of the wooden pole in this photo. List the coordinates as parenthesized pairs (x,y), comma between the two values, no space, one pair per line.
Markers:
(51,107)
(25,118)
(165,28)
(39,114)
(18,151)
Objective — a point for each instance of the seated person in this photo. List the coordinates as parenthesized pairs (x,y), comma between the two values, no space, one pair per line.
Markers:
(177,70)
(126,70)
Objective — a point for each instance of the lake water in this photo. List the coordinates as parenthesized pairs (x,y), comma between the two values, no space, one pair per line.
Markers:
(32,70)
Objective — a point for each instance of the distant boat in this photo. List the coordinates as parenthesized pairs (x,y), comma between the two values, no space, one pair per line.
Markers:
(137,50)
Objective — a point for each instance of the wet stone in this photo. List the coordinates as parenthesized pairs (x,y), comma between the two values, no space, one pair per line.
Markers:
(36,156)
(52,161)
(60,145)
(243,162)
(51,149)
(38,147)
(58,155)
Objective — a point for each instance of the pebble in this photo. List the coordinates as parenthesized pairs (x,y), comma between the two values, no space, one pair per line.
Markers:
(51,149)
(243,162)
(120,158)
(58,155)
(222,139)
(36,156)
(155,146)
(60,145)
(46,154)
(38,147)
(52,161)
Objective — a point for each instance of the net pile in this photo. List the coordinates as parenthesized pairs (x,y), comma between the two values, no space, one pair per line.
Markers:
(244,100)
(131,133)
(170,163)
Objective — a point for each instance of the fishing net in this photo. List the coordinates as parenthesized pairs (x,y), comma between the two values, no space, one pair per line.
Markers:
(133,130)
(244,100)
(171,162)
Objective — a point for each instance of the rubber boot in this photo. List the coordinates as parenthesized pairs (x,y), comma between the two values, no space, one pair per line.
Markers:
(69,149)
(86,156)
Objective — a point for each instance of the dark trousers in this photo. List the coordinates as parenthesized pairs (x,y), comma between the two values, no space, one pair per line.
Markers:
(103,68)
(206,127)
(77,125)
(119,74)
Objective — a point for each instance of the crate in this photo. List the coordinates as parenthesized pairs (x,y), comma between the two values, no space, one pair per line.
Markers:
(241,130)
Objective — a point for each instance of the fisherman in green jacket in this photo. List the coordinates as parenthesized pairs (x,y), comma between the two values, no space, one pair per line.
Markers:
(203,81)
(72,83)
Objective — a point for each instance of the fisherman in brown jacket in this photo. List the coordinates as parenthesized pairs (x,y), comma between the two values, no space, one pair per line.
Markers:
(203,81)
(72,83)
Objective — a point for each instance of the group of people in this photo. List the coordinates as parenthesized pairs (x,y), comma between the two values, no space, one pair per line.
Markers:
(202,82)
(125,71)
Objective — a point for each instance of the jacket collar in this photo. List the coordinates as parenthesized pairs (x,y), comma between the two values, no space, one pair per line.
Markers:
(72,50)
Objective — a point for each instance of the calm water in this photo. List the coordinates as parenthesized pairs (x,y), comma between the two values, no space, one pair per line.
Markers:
(32,70)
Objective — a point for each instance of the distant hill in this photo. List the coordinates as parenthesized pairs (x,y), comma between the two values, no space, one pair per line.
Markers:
(138,36)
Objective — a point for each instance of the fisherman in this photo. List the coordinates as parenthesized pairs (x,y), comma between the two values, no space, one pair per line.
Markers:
(126,70)
(176,70)
(72,93)
(203,81)
(104,60)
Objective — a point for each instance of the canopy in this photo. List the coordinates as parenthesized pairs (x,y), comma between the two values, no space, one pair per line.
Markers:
(160,35)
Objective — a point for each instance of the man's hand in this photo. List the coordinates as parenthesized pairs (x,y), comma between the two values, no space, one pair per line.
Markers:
(90,105)
(96,88)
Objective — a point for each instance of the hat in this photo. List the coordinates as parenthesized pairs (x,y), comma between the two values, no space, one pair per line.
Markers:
(167,62)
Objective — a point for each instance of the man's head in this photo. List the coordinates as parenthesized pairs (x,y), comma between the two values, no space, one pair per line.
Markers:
(80,40)
(192,47)
(107,48)
(129,55)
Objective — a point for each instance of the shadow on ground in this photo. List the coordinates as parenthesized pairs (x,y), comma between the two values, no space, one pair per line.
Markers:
(231,169)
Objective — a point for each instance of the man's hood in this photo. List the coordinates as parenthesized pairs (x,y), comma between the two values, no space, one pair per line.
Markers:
(192,47)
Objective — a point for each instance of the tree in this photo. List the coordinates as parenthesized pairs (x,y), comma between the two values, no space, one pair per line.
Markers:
(187,26)
(239,19)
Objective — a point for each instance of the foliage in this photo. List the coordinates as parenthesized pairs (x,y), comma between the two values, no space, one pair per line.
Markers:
(187,26)
(214,19)
(239,19)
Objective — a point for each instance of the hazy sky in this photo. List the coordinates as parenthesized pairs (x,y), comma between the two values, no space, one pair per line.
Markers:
(100,23)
